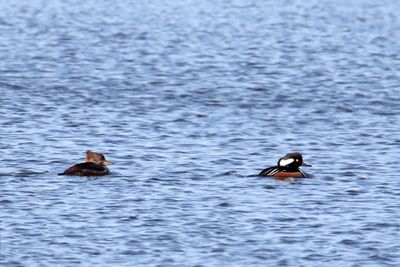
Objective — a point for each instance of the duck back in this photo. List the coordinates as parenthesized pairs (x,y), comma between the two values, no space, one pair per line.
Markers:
(86,169)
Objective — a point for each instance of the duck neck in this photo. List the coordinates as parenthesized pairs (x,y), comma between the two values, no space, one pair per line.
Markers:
(291,168)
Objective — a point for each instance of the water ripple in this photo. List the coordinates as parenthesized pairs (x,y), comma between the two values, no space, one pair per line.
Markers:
(190,101)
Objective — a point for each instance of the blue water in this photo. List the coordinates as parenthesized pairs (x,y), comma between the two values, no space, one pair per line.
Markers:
(189,99)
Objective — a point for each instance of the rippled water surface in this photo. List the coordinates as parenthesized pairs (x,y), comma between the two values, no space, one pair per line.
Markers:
(189,99)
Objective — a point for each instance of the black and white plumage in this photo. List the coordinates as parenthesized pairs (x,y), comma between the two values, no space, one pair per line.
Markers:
(288,166)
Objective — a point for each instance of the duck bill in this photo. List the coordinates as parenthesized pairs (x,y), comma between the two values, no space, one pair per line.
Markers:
(107,162)
(306,165)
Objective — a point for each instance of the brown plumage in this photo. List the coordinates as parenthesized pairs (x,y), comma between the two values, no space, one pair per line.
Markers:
(94,165)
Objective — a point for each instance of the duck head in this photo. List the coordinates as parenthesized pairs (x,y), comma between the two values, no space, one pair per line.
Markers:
(96,158)
(292,160)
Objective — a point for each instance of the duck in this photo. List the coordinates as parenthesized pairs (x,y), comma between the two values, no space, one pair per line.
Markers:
(94,165)
(288,167)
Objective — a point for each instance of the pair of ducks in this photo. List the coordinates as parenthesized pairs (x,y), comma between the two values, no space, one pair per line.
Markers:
(95,165)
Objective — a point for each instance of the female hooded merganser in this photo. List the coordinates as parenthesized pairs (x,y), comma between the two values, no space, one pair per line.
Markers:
(94,165)
(288,166)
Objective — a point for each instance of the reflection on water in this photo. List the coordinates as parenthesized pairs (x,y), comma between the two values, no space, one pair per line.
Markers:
(189,99)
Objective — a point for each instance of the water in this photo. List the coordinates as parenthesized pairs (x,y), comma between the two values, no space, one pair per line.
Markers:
(190,98)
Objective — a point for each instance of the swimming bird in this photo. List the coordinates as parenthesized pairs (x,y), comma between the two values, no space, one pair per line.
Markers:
(94,165)
(288,166)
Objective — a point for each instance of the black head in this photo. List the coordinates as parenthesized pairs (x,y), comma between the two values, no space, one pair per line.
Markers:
(292,160)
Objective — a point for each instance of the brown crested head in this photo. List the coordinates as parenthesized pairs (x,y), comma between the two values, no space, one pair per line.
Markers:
(96,158)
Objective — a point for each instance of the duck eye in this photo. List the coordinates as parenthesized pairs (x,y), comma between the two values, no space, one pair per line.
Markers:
(297,160)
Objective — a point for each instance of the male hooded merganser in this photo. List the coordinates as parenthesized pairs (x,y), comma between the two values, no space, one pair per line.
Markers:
(94,165)
(288,166)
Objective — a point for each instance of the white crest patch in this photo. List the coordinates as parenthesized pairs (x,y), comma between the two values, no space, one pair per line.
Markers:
(285,162)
